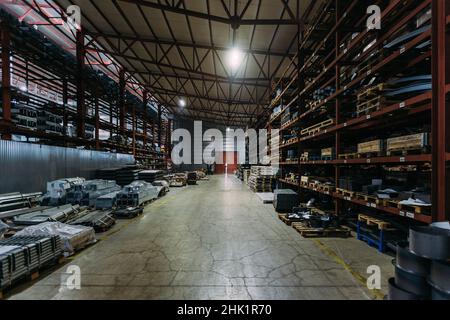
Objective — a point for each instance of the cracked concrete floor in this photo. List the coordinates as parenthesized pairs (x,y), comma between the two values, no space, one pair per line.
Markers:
(214,241)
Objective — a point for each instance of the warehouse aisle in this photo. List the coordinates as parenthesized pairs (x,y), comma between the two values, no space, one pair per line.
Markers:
(214,241)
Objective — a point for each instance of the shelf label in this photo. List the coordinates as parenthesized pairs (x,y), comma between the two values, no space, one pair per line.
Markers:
(369,160)
(368,117)
(369,72)
(348,198)
(369,205)
(402,213)
(402,159)
(345,124)
(374,205)
(410,215)
(402,50)
(402,105)
(345,161)
(345,87)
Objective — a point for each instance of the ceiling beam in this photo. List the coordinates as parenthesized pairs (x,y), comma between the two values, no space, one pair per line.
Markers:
(219,19)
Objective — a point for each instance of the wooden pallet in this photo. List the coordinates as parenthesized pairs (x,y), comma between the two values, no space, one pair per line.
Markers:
(389,203)
(348,156)
(307,232)
(371,92)
(415,209)
(368,155)
(286,220)
(371,221)
(366,197)
(407,151)
(317,127)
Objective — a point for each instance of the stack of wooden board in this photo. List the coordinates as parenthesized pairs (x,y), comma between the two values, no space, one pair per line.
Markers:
(261,179)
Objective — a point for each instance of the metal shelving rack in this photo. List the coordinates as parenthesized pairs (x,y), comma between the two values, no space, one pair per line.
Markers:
(71,88)
(320,63)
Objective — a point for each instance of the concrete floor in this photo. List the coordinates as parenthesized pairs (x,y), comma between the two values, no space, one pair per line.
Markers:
(215,241)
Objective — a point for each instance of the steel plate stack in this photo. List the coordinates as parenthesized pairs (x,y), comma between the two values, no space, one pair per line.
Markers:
(151,175)
(20,256)
(127,175)
(422,268)
(137,194)
(107,174)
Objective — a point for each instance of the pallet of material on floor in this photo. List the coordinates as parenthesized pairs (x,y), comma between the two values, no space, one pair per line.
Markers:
(151,175)
(261,179)
(100,220)
(266,197)
(74,237)
(23,257)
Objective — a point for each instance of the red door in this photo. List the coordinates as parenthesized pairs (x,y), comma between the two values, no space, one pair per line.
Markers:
(230,163)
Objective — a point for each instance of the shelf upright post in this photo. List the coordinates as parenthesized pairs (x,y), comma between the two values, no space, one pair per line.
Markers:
(159,125)
(65,98)
(337,169)
(145,116)
(6,77)
(81,103)
(134,129)
(439,178)
(169,140)
(121,105)
(301,86)
(97,123)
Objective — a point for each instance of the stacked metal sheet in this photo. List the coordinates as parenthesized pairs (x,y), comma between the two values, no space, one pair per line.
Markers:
(107,174)
(137,194)
(20,256)
(151,175)
(100,220)
(39,215)
(14,201)
(87,193)
(108,201)
(127,175)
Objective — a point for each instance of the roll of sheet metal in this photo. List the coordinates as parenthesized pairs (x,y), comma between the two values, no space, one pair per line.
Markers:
(431,243)
(440,276)
(412,283)
(410,262)
(396,293)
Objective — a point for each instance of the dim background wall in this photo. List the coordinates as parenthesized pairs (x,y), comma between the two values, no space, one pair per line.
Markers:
(27,167)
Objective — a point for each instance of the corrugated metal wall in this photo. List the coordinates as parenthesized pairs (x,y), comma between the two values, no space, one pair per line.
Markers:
(27,167)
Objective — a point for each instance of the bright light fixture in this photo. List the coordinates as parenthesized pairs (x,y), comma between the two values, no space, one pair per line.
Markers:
(182,103)
(235,58)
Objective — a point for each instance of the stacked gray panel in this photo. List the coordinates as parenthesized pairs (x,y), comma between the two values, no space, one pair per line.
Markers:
(57,214)
(20,256)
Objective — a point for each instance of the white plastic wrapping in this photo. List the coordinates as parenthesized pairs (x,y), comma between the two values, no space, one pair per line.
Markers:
(74,238)
(3,228)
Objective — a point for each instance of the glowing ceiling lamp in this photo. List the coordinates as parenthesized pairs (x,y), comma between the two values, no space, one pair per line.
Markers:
(235,58)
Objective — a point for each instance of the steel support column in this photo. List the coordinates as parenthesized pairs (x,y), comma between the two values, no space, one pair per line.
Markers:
(81,103)
(337,173)
(97,124)
(169,141)
(6,78)
(122,101)
(439,175)
(144,118)
(159,125)
(134,130)
(65,97)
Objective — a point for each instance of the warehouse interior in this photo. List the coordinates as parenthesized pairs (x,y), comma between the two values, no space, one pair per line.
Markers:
(225,150)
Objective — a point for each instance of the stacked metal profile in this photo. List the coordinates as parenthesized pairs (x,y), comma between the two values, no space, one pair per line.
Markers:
(20,256)
(127,175)
(46,214)
(86,193)
(137,193)
(100,220)
(57,191)
(108,201)
(14,201)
